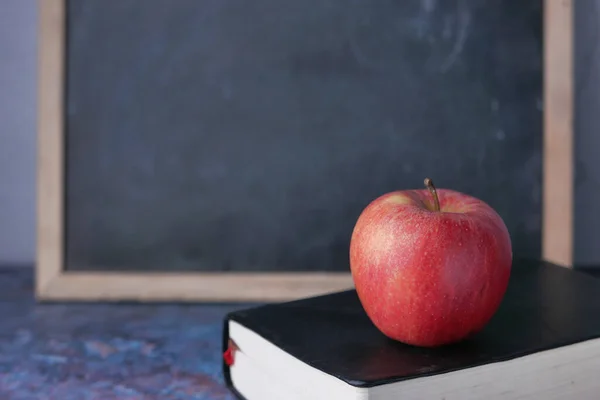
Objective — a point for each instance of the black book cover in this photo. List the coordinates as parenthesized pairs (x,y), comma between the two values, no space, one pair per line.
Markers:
(545,307)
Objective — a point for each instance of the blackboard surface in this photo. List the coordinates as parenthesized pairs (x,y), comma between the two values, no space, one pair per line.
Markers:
(231,135)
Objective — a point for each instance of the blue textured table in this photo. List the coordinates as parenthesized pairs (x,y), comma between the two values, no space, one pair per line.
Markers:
(106,351)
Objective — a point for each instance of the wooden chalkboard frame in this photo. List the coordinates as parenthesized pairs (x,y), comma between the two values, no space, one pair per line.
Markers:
(53,282)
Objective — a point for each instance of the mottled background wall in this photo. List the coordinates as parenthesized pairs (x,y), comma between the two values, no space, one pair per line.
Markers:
(587,126)
(17,130)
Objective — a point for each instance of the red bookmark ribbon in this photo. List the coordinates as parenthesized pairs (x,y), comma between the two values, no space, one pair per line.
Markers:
(229,354)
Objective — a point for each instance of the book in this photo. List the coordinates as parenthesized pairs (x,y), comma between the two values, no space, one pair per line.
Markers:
(543,342)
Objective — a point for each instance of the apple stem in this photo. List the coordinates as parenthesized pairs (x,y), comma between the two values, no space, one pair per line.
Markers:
(436,200)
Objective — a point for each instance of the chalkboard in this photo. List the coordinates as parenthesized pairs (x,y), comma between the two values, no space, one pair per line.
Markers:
(231,135)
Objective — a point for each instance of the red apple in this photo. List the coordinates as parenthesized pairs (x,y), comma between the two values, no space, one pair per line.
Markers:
(430,267)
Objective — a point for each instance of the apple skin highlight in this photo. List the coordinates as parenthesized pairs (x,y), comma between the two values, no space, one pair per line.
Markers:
(426,277)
